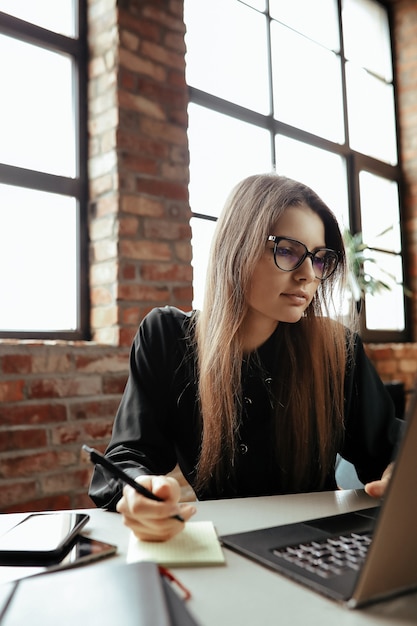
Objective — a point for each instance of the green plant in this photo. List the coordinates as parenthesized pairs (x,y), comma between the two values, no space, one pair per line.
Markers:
(362,261)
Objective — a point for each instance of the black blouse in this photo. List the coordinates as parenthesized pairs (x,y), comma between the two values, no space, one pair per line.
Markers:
(157,424)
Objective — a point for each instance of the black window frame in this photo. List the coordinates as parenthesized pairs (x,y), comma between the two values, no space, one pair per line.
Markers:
(355,161)
(77,187)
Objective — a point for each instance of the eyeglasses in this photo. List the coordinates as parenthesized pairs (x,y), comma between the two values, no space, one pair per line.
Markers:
(290,254)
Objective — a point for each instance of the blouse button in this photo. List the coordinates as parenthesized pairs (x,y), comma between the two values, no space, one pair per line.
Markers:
(268,381)
(243,448)
(247,400)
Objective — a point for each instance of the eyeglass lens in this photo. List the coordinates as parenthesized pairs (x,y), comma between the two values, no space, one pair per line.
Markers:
(290,254)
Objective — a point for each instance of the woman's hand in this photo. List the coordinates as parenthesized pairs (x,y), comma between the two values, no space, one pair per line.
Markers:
(151,520)
(377,488)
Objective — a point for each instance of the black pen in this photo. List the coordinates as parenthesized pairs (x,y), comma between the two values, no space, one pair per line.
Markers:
(97,458)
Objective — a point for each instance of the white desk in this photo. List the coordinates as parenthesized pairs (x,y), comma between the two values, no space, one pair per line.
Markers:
(242,593)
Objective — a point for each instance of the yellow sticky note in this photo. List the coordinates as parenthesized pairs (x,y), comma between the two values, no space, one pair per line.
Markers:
(196,545)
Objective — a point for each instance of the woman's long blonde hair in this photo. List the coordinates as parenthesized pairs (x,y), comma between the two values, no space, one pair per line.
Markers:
(309,389)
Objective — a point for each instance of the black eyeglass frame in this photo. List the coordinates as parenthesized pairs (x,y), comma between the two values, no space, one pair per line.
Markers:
(307,253)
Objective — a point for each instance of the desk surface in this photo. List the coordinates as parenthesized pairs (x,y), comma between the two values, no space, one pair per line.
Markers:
(244,593)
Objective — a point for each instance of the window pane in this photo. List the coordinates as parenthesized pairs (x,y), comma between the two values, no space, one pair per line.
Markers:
(256,4)
(223,150)
(379,196)
(227,52)
(366,36)
(321,170)
(385,310)
(371,115)
(317,20)
(307,84)
(38,267)
(55,15)
(203,231)
(36,118)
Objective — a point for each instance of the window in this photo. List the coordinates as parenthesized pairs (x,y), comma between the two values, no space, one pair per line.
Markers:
(306,89)
(43,234)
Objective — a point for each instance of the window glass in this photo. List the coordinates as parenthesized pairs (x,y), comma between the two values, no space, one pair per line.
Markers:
(325,117)
(385,310)
(323,171)
(227,52)
(371,115)
(36,118)
(203,231)
(55,15)
(260,5)
(379,196)
(41,291)
(223,150)
(307,84)
(366,36)
(317,20)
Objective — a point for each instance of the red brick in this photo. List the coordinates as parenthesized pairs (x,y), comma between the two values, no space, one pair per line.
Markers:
(12,390)
(94,408)
(99,430)
(22,439)
(161,229)
(16,364)
(66,482)
(58,502)
(136,144)
(145,250)
(140,205)
(140,164)
(131,315)
(102,363)
(69,433)
(162,17)
(127,335)
(32,414)
(12,492)
(128,80)
(171,272)
(114,384)
(128,271)
(28,465)
(143,27)
(164,188)
(65,387)
(143,292)
(128,226)
(162,55)
(183,294)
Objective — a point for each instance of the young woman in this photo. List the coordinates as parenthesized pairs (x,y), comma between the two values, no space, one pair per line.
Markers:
(258,392)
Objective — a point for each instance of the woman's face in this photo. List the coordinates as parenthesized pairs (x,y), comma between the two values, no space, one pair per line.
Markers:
(277,296)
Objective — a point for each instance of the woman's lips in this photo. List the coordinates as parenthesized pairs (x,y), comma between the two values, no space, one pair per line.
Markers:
(296,297)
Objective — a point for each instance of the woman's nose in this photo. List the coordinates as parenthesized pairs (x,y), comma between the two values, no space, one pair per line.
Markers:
(306,270)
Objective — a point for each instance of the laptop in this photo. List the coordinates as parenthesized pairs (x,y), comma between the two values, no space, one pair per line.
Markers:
(354,558)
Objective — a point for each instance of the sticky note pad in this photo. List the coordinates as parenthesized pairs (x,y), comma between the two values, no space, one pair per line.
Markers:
(196,545)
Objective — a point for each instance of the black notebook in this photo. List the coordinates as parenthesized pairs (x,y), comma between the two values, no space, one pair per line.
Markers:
(130,594)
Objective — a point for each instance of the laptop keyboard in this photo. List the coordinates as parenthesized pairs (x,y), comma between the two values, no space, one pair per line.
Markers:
(330,557)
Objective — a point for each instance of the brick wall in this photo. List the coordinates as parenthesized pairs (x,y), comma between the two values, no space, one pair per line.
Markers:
(55,396)
(405,29)
(139,211)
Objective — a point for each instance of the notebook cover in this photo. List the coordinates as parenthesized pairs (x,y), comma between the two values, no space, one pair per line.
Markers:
(108,594)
